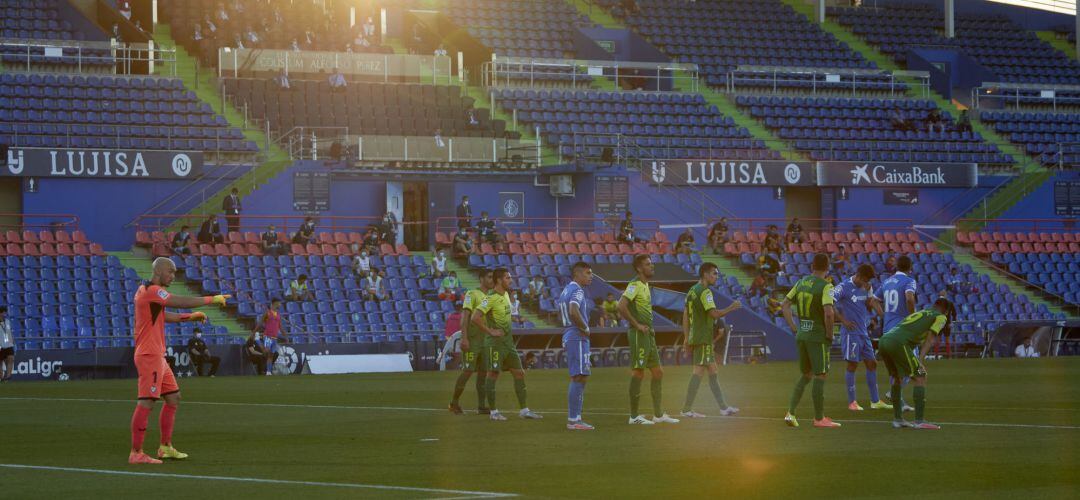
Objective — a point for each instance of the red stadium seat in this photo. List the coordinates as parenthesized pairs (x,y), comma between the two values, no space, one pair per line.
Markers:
(222,249)
(14,249)
(13,237)
(543,248)
(596,238)
(328,248)
(559,248)
(343,249)
(29,237)
(530,249)
(79,237)
(324,238)
(297,249)
(581,237)
(47,249)
(441,239)
(401,249)
(237,248)
(731,248)
(386,249)
(516,248)
(313,249)
(46,237)
(142,239)
(235,238)
(980,248)
(64,249)
(33,249)
(963,238)
(526,237)
(540,237)
(158,250)
(566,237)
(813,236)
(511,237)
(608,248)
(607,238)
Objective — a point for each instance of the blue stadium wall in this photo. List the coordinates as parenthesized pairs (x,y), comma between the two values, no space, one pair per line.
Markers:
(1040,203)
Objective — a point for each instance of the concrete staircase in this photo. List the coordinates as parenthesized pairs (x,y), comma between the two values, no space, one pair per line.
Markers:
(729,267)
(142,266)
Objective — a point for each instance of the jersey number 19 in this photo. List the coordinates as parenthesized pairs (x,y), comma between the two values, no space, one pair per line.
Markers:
(892,300)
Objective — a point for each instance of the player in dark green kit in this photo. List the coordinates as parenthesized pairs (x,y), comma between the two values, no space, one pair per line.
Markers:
(699,317)
(896,349)
(635,306)
(493,317)
(813,300)
(472,347)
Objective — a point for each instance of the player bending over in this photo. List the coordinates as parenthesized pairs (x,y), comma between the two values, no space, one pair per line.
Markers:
(635,306)
(493,317)
(574,311)
(699,317)
(813,300)
(155,377)
(897,295)
(472,348)
(853,299)
(896,348)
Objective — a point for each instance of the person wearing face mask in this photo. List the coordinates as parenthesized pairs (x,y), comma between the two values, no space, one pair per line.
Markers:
(200,354)
(438,265)
(361,266)
(7,347)
(256,353)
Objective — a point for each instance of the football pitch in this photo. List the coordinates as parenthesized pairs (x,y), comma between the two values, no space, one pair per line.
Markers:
(1010,428)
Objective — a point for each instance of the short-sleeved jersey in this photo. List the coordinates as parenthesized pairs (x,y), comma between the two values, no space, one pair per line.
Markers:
(472,300)
(573,294)
(150,320)
(810,296)
(611,308)
(851,301)
(914,329)
(893,297)
(639,299)
(699,301)
(496,309)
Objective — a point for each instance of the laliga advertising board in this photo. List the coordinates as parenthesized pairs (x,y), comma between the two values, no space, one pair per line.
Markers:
(103,164)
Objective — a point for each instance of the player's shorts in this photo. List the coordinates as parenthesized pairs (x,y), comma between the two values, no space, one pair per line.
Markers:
(472,359)
(643,351)
(577,357)
(704,354)
(501,357)
(270,344)
(813,357)
(155,377)
(857,347)
(7,351)
(899,360)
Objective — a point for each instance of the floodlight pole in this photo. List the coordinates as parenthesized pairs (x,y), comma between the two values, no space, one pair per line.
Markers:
(820,11)
(950,18)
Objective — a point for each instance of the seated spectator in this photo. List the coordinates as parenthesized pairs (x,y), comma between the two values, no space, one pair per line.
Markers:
(210,231)
(470,115)
(485,228)
(771,245)
(282,80)
(463,246)
(535,291)
(361,266)
(770,268)
(890,268)
(685,242)
(963,123)
(900,123)
(306,233)
(718,235)
(955,283)
(935,120)
(438,265)
(388,228)
(270,244)
(626,229)
(299,290)
(200,354)
(451,350)
(449,287)
(256,354)
(858,230)
(530,361)
(515,310)
(759,287)
(1026,350)
(180,242)
(369,27)
(440,51)
(774,302)
(439,142)
(840,260)
(371,242)
(609,312)
(794,231)
(373,288)
(337,81)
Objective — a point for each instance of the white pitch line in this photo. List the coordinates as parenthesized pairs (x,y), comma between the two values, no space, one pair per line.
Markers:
(556,411)
(471,494)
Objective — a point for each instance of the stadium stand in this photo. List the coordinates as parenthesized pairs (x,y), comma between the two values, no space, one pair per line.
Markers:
(996,42)
(657,122)
(855,129)
(111,112)
(520,28)
(1049,259)
(22,23)
(1052,138)
(308,23)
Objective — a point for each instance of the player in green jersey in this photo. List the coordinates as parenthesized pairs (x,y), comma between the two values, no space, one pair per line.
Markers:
(493,317)
(699,317)
(472,347)
(635,306)
(896,349)
(813,300)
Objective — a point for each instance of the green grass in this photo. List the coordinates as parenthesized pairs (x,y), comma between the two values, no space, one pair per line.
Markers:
(391,429)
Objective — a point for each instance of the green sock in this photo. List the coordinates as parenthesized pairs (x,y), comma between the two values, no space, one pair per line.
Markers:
(459,387)
(819,398)
(691,392)
(656,388)
(519,389)
(920,401)
(897,405)
(489,387)
(717,392)
(635,395)
(796,395)
(481,390)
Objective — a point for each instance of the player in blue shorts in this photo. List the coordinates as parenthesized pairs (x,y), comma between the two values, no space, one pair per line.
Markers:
(897,296)
(853,299)
(574,311)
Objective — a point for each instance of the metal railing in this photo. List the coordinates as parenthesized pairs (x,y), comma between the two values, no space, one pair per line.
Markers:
(259,223)
(526,72)
(855,81)
(38,222)
(1018,225)
(318,143)
(586,225)
(1020,95)
(369,67)
(83,55)
(867,225)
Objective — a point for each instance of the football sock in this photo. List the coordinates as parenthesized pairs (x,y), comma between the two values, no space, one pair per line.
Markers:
(718,394)
(166,420)
(575,399)
(489,388)
(691,391)
(656,388)
(459,387)
(138,426)
(519,389)
(819,398)
(920,401)
(849,379)
(796,395)
(871,383)
(897,407)
(635,396)
(481,390)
